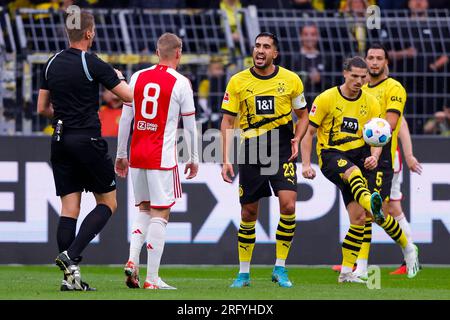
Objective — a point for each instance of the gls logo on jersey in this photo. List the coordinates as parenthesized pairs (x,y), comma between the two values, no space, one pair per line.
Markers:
(142,125)
(398,99)
(265,105)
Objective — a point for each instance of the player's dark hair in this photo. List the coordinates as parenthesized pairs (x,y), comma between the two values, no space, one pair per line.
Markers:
(378,45)
(356,62)
(269,35)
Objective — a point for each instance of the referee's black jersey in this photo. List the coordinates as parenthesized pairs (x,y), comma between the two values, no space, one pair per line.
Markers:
(73,77)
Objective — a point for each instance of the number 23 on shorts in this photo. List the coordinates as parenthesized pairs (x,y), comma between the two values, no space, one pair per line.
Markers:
(288,168)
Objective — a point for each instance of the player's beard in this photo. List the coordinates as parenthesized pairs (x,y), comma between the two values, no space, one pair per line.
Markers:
(376,74)
(264,66)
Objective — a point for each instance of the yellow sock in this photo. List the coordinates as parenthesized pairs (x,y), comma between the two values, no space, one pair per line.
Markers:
(359,189)
(284,235)
(365,247)
(394,231)
(246,240)
(352,245)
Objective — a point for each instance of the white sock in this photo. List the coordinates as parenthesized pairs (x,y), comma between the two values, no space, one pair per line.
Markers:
(409,248)
(404,224)
(156,239)
(280,262)
(138,234)
(244,267)
(345,269)
(361,265)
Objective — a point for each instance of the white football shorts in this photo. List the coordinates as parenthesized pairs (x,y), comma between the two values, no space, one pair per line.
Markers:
(159,187)
(396,192)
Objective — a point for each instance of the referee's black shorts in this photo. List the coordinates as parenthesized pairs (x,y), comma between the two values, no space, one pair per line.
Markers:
(80,162)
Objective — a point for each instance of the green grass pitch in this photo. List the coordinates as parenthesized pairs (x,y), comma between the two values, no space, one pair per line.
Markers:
(212,283)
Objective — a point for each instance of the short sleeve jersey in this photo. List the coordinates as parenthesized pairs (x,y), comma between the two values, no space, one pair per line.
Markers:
(73,78)
(263,103)
(161,95)
(392,98)
(339,120)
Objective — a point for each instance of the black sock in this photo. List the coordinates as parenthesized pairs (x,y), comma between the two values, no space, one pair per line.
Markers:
(91,226)
(65,234)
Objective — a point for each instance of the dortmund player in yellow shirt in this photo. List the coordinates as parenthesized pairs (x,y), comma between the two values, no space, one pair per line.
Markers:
(337,116)
(392,97)
(264,97)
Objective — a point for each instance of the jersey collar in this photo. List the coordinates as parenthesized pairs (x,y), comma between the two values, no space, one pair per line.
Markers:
(348,99)
(270,76)
(376,84)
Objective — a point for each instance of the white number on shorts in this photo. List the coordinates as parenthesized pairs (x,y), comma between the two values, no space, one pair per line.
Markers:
(153,99)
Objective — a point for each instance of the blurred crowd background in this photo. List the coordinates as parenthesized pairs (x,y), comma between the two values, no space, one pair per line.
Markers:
(315,37)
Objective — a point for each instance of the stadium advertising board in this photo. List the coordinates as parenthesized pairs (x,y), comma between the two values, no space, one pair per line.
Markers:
(203,226)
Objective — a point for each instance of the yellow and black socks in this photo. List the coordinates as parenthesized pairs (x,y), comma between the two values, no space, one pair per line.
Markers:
(351,246)
(359,189)
(284,235)
(246,243)
(392,228)
(363,256)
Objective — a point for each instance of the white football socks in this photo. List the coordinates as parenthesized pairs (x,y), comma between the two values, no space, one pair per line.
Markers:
(361,266)
(156,239)
(138,234)
(404,224)
(244,267)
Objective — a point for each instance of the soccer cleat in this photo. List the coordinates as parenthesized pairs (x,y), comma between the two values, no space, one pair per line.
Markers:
(400,270)
(158,284)
(338,267)
(412,262)
(363,275)
(66,286)
(242,280)
(349,277)
(71,270)
(280,275)
(376,205)
(132,275)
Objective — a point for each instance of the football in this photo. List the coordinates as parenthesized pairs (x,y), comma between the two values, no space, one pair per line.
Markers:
(377,132)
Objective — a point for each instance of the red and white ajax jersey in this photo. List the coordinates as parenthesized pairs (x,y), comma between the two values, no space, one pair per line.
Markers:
(161,95)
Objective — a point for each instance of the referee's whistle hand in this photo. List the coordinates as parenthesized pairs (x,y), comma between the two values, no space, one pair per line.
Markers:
(121,167)
(227,170)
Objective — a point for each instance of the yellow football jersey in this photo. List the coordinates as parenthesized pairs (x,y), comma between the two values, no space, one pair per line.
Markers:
(340,120)
(392,97)
(263,103)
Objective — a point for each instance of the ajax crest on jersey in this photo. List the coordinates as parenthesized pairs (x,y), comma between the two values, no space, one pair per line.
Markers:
(377,132)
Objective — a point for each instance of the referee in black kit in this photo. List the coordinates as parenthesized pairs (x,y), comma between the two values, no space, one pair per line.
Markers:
(69,94)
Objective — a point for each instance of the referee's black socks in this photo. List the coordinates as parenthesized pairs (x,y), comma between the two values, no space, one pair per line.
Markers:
(65,234)
(91,226)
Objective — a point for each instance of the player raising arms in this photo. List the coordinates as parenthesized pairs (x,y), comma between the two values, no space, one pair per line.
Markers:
(264,97)
(337,116)
(392,97)
(161,95)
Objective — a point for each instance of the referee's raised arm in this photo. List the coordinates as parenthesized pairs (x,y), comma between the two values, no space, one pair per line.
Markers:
(69,94)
